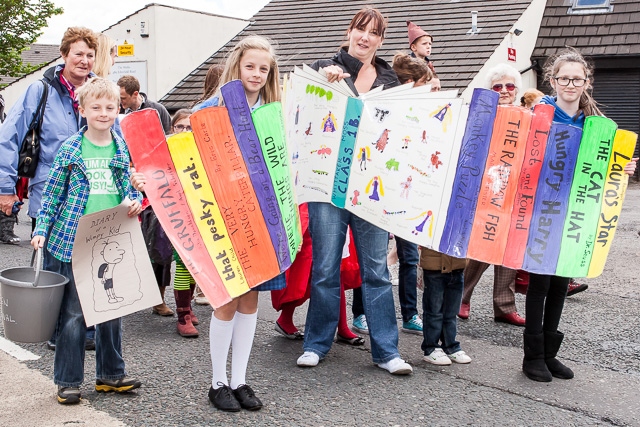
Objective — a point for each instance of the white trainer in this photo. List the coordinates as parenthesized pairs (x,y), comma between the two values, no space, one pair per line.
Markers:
(437,357)
(460,357)
(396,366)
(308,359)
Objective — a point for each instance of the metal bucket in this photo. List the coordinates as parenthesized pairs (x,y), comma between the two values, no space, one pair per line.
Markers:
(30,300)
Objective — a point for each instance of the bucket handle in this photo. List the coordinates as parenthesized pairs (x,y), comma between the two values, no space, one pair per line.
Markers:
(37,265)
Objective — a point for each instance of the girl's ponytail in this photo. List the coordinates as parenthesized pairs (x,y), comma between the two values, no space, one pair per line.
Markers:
(589,105)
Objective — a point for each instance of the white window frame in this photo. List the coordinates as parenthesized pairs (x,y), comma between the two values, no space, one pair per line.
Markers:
(575,9)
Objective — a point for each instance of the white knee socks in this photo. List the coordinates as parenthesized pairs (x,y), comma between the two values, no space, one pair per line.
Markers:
(220,333)
(244,329)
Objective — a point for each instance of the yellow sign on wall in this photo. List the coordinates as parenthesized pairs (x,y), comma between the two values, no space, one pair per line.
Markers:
(125,49)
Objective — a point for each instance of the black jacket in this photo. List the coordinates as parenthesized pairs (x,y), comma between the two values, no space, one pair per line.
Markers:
(385,76)
(2,114)
(427,60)
(165,117)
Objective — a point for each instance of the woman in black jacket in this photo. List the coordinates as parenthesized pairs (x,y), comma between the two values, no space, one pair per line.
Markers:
(356,62)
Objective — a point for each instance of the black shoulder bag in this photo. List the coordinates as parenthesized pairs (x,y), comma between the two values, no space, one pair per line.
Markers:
(30,149)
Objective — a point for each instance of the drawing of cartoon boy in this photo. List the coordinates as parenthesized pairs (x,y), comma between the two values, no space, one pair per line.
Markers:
(112,254)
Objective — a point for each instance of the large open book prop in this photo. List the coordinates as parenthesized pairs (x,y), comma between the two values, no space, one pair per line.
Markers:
(223,193)
(499,184)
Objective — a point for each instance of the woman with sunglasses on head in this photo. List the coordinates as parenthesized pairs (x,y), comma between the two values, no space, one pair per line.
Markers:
(570,77)
(505,80)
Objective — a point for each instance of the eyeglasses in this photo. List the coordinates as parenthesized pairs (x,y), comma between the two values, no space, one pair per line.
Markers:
(182,128)
(564,81)
(498,87)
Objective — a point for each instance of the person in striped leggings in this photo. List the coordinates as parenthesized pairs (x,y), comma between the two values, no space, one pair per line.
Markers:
(183,287)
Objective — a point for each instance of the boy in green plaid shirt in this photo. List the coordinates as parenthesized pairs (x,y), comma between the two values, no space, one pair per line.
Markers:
(90,173)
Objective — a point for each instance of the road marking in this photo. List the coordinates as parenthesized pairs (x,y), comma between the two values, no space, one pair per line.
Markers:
(16,351)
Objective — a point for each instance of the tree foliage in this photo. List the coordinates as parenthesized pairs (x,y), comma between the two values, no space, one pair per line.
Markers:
(21,23)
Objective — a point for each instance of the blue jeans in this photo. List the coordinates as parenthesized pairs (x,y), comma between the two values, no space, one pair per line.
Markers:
(407,278)
(407,282)
(91,333)
(68,364)
(440,304)
(328,227)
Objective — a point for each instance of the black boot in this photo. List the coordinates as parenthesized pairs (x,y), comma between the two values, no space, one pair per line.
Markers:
(552,342)
(533,364)
(6,229)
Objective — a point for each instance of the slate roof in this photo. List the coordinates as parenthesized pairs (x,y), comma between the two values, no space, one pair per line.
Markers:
(596,35)
(36,54)
(306,30)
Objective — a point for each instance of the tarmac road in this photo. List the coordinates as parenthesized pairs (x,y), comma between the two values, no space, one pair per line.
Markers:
(602,346)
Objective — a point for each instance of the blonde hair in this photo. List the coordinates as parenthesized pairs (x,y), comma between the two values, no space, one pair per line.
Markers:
(102,64)
(410,68)
(97,88)
(270,92)
(587,104)
(529,97)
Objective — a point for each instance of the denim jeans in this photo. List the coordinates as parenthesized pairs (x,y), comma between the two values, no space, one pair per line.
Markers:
(328,227)
(68,364)
(407,278)
(440,304)
(407,282)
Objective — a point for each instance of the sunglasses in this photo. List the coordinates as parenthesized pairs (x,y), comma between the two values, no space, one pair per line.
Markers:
(182,128)
(498,87)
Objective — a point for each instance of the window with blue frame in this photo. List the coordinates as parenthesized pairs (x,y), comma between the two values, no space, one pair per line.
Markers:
(588,7)
(590,3)
(584,7)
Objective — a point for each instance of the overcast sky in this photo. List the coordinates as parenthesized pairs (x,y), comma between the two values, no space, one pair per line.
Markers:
(100,14)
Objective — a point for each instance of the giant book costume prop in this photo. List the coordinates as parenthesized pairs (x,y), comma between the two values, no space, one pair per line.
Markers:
(500,184)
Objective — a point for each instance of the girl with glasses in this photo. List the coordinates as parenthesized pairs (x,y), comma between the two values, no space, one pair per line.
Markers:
(570,76)
(183,283)
(180,121)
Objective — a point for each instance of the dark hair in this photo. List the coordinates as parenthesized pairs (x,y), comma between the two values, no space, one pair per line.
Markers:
(368,14)
(211,82)
(179,115)
(130,84)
